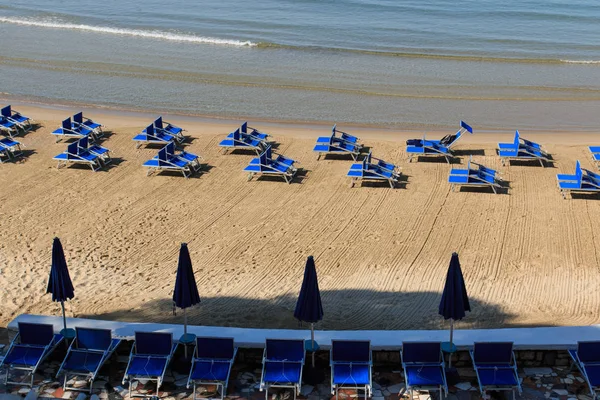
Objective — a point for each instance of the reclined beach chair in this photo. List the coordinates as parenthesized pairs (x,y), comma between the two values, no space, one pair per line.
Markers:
(169,129)
(86,355)
(69,130)
(283,360)
(367,170)
(33,343)
(496,367)
(523,150)
(102,152)
(9,127)
(80,120)
(584,181)
(152,136)
(193,160)
(342,144)
(77,154)
(423,365)
(351,365)
(213,359)
(595,150)
(149,358)
(264,164)
(165,162)
(587,359)
(21,121)
(436,148)
(475,175)
(9,149)
(236,140)
(246,130)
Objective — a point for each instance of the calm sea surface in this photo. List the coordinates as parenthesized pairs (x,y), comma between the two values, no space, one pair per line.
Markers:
(526,64)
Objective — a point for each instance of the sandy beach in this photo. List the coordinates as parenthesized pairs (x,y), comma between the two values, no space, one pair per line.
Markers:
(529,257)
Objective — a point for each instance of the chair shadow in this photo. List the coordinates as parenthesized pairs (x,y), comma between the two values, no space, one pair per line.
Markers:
(439,160)
(340,157)
(585,196)
(114,162)
(24,157)
(532,163)
(474,152)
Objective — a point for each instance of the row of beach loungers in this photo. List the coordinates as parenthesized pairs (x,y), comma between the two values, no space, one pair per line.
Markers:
(267,163)
(282,362)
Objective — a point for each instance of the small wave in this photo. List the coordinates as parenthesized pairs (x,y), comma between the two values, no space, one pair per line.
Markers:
(581,61)
(162,35)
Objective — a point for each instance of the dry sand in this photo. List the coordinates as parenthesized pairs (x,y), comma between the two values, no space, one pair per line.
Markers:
(529,257)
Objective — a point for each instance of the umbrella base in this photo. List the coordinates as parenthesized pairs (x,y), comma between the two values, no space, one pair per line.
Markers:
(68,333)
(313,376)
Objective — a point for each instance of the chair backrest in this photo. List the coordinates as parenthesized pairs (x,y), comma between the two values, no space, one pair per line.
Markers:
(578,171)
(78,118)
(588,351)
(36,334)
(368,157)
(263,158)
(158,123)
(163,154)
(214,348)
(492,352)
(244,127)
(83,143)
(334,130)
(350,351)
(421,352)
(93,339)
(6,112)
(269,153)
(73,148)
(150,130)
(236,134)
(466,127)
(66,124)
(517,136)
(170,149)
(284,349)
(153,343)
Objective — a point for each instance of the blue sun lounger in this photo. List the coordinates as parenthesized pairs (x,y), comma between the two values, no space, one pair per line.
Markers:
(584,181)
(149,358)
(481,176)
(33,343)
(351,365)
(595,150)
(80,120)
(10,115)
(423,365)
(342,144)
(587,359)
(522,150)
(368,170)
(102,152)
(283,360)
(69,130)
(264,164)
(496,367)
(237,140)
(246,130)
(193,160)
(165,162)
(86,355)
(152,136)
(9,149)
(213,359)
(8,126)
(169,129)
(77,154)
(436,148)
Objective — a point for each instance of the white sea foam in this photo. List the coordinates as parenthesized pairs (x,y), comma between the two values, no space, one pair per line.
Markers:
(161,35)
(581,61)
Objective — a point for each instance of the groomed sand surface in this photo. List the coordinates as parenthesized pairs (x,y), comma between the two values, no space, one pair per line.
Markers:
(529,257)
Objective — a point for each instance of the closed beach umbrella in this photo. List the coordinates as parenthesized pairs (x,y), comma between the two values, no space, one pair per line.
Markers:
(186,292)
(59,282)
(309,308)
(455,301)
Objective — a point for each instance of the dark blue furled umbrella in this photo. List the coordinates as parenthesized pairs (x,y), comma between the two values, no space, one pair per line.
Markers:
(455,300)
(186,292)
(309,308)
(59,282)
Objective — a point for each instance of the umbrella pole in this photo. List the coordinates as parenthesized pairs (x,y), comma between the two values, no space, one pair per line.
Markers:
(312,344)
(451,342)
(185,331)
(62,303)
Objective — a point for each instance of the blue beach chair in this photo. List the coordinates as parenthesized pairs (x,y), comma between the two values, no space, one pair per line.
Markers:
(9,149)
(152,136)
(165,162)
(246,130)
(583,181)
(8,126)
(587,359)
(69,130)
(475,175)
(342,144)
(149,358)
(169,129)
(80,120)
(102,152)
(77,154)
(595,150)
(283,360)
(522,150)
(351,365)
(237,140)
(264,164)
(86,355)
(423,365)
(369,170)
(193,160)
(213,359)
(10,115)
(436,148)
(496,367)
(31,346)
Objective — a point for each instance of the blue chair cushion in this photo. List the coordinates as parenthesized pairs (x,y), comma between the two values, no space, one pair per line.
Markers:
(282,372)
(208,370)
(424,375)
(83,361)
(351,374)
(593,373)
(147,366)
(497,377)
(24,355)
